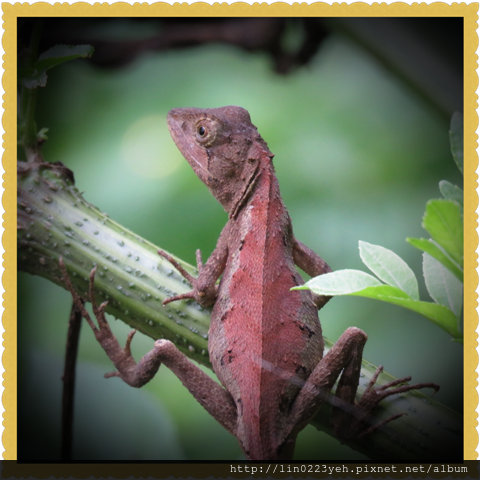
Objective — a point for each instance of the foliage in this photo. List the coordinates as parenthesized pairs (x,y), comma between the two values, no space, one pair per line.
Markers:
(442,260)
(31,74)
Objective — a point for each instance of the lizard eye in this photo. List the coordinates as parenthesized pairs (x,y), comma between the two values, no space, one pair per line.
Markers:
(205,131)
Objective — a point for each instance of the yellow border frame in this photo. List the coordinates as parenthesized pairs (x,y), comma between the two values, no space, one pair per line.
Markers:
(12,12)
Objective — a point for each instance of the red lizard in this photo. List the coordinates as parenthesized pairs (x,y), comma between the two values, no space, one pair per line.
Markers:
(265,341)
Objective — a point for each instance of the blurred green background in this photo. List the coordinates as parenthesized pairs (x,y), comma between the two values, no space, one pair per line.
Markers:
(358,154)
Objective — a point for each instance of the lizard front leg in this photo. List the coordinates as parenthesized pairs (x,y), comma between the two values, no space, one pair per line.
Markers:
(204,287)
(213,397)
(207,392)
(350,420)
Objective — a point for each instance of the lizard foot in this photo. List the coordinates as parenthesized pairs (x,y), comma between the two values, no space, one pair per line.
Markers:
(184,274)
(98,311)
(135,375)
(372,396)
(204,298)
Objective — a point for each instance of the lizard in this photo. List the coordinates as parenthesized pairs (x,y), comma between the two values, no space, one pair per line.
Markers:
(265,341)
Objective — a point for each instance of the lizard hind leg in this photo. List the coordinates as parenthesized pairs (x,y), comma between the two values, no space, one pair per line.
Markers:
(350,420)
(343,360)
(135,375)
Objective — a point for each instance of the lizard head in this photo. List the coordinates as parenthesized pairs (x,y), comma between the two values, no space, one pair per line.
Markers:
(224,149)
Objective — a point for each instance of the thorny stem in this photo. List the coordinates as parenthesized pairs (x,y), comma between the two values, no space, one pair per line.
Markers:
(54,220)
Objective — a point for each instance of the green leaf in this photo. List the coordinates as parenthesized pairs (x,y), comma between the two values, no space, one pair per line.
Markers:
(349,282)
(436,252)
(37,76)
(442,285)
(444,223)
(380,292)
(357,283)
(451,192)
(439,314)
(62,53)
(456,139)
(389,267)
(341,282)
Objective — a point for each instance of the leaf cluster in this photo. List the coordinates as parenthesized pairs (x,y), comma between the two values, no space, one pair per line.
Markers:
(395,282)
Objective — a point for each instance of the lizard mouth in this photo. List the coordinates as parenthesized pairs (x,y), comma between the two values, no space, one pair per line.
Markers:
(183,141)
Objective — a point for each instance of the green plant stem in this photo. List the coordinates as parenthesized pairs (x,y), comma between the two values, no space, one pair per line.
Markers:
(29,140)
(28,98)
(55,220)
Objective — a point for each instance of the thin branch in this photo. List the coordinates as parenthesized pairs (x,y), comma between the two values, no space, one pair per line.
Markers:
(68,394)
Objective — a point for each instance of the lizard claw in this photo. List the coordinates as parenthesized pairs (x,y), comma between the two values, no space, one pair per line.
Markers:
(78,300)
(185,274)
(372,396)
(182,296)
(368,431)
(181,270)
